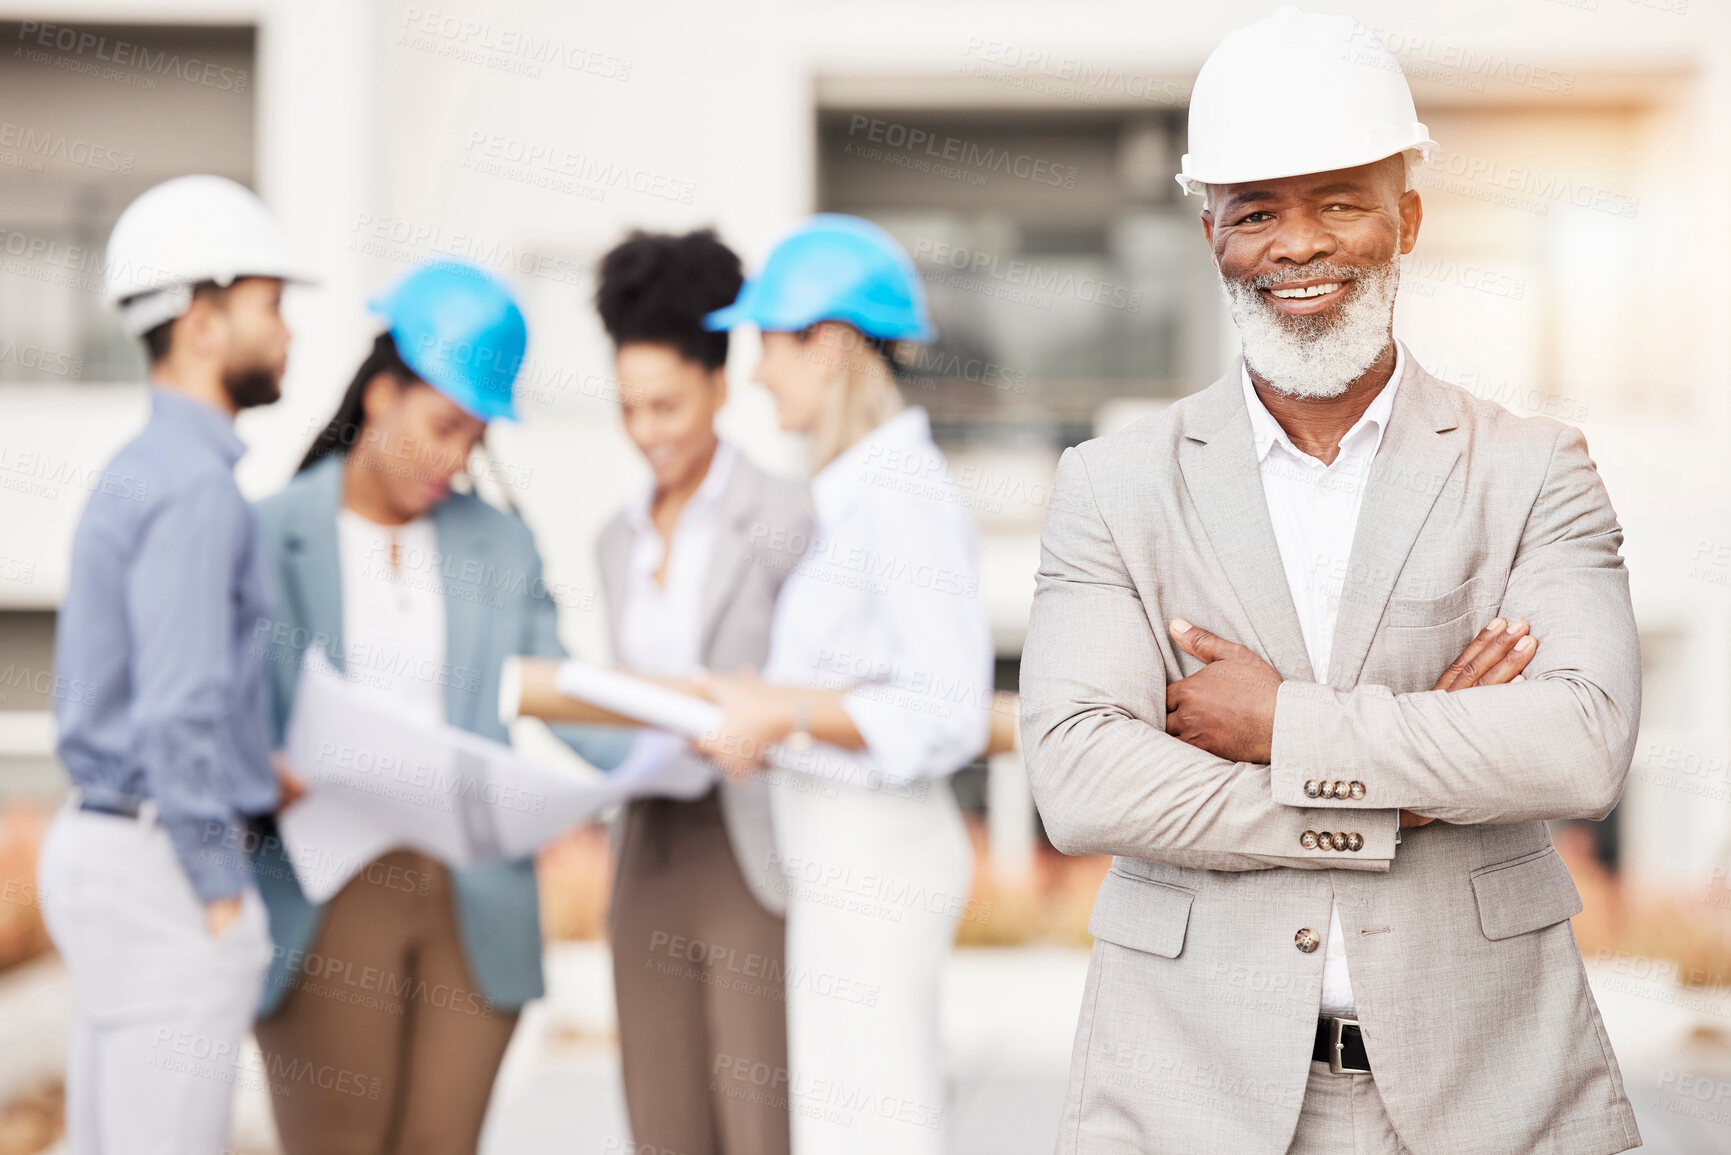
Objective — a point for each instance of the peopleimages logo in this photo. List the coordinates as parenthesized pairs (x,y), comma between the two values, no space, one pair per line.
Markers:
(1077,72)
(42,360)
(473,40)
(78,42)
(45,476)
(965,153)
(407,241)
(984,268)
(40,145)
(1543,188)
(498,155)
(1471,67)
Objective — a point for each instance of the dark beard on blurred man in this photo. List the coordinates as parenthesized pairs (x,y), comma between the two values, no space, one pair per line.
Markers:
(251,387)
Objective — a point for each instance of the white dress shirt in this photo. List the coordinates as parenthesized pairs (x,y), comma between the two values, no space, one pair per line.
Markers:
(886,603)
(393,617)
(1314,509)
(661,626)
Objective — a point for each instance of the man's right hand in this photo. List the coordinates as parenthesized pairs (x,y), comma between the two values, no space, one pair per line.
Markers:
(290,789)
(1494,658)
(219,913)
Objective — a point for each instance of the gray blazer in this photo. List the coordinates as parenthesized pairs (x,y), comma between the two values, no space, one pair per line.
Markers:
(1199,1012)
(766,524)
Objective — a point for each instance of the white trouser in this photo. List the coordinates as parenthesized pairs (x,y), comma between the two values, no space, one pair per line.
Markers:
(876,886)
(161,1006)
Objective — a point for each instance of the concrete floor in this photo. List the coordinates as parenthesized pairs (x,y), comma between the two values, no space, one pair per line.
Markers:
(1008,1022)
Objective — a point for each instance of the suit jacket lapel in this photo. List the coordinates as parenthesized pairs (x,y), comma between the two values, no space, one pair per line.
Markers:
(1412,465)
(613,550)
(1224,480)
(461,538)
(731,555)
(314,570)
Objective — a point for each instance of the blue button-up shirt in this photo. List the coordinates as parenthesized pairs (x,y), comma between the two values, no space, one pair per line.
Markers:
(166,695)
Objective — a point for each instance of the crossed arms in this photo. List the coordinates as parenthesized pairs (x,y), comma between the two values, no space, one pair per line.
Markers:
(1110,779)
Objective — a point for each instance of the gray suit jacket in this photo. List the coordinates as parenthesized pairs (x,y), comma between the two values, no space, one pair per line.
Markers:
(1199,1013)
(766,524)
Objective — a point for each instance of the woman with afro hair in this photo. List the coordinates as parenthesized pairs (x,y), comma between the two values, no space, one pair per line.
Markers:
(691,567)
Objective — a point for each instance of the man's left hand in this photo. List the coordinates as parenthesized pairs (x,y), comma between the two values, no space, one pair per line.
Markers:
(1226,707)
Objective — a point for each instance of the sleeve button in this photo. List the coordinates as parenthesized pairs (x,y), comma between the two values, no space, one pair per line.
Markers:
(1355,790)
(1354,841)
(1308,840)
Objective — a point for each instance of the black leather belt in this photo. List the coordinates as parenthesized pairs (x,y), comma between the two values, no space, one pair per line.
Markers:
(1340,1044)
(133,807)
(119,807)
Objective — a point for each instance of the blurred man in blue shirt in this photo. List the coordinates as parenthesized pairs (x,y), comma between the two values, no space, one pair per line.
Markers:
(145,881)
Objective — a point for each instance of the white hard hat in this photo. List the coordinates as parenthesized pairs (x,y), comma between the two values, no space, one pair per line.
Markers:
(1298,92)
(182,233)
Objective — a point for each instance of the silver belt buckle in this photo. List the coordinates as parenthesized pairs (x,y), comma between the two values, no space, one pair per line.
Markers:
(1336,1025)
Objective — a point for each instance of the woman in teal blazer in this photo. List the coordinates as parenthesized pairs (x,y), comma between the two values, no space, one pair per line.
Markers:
(405,987)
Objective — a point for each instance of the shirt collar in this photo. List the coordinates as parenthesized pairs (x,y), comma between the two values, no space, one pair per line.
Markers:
(708,494)
(206,422)
(1368,429)
(907,432)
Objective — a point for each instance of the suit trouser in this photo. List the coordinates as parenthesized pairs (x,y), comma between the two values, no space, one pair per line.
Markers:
(161,1006)
(697,971)
(383,1044)
(1343,1115)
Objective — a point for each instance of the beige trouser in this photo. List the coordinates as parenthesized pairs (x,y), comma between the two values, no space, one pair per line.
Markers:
(698,973)
(383,1045)
(1343,1115)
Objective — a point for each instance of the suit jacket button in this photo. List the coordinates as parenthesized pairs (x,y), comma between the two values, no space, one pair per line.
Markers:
(1325,840)
(1308,840)
(1355,790)
(1340,840)
(1306,940)
(1353,841)
(1313,789)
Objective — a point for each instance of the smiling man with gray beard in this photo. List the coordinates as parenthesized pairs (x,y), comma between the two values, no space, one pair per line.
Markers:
(1315,654)
(1316,355)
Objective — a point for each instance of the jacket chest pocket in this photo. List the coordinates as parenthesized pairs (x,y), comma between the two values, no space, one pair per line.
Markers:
(1142,915)
(1525,894)
(1415,606)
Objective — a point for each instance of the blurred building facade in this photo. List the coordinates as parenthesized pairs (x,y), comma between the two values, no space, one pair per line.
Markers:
(1569,263)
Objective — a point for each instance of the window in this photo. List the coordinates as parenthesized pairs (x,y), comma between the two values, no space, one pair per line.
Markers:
(90,116)
(1061,263)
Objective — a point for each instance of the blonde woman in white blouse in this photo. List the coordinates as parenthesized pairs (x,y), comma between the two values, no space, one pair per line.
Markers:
(876,689)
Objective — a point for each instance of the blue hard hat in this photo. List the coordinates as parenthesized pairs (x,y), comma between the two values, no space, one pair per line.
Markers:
(834,267)
(460,329)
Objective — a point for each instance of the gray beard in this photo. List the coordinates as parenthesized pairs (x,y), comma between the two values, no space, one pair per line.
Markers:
(1316,356)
